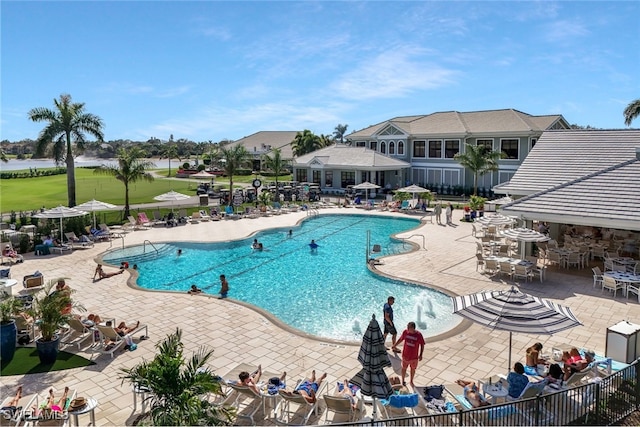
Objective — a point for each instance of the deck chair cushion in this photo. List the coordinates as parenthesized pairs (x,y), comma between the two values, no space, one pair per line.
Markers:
(403,400)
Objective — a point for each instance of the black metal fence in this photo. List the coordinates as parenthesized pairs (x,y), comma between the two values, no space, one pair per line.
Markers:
(604,401)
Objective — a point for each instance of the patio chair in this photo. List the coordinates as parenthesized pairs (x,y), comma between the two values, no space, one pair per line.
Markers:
(43,417)
(24,404)
(338,405)
(78,334)
(573,260)
(111,341)
(399,405)
(611,284)
(204,216)
(75,242)
(479,261)
(157,219)
(491,266)
(143,220)
(195,218)
(245,400)
(523,271)
(505,267)
(597,277)
(292,403)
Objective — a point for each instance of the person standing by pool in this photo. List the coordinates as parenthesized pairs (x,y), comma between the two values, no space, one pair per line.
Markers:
(224,286)
(437,211)
(411,351)
(449,214)
(389,327)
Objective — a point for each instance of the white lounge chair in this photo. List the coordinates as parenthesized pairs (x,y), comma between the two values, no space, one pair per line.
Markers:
(111,341)
(285,412)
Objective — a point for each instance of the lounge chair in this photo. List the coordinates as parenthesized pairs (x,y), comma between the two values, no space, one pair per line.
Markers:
(195,218)
(399,405)
(245,400)
(98,235)
(111,341)
(24,405)
(284,411)
(25,328)
(340,406)
(229,213)
(132,224)
(158,220)
(532,389)
(43,417)
(143,220)
(79,333)
(204,216)
(75,242)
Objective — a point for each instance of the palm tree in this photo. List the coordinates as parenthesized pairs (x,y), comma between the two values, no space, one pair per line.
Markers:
(178,386)
(305,142)
(325,141)
(234,158)
(479,160)
(631,112)
(67,124)
(275,163)
(131,167)
(170,151)
(338,134)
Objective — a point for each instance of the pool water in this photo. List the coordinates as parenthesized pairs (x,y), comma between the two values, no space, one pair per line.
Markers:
(328,292)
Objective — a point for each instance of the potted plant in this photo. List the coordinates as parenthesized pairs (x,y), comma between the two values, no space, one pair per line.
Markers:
(477,205)
(8,331)
(52,311)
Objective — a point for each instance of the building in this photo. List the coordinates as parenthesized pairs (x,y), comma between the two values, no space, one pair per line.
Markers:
(429,143)
(337,166)
(263,142)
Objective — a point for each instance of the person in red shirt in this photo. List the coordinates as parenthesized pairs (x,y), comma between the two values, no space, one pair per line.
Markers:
(411,351)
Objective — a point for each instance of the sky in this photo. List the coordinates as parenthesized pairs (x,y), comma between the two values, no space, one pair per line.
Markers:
(214,70)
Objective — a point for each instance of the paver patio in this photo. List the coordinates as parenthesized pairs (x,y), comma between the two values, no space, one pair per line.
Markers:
(238,333)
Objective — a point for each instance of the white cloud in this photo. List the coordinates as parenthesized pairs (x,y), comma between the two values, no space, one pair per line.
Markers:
(564,31)
(393,73)
(215,32)
(172,92)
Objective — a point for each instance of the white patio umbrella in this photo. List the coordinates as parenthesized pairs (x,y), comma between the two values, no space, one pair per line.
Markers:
(366,186)
(372,379)
(524,235)
(497,219)
(171,196)
(61,212)
(515,311)
(93,206)
(203,175)
(413,189)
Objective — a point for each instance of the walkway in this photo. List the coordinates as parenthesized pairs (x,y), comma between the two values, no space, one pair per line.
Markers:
(240,334)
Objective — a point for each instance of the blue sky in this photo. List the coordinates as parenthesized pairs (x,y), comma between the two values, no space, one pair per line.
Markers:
(209,70)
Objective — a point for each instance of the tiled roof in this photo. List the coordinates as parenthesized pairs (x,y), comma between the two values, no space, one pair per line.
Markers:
(344,156)
(464,123)
(566,155)
(259,142)
(606,198)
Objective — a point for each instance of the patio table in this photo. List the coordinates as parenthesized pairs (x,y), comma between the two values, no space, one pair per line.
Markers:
(512,261)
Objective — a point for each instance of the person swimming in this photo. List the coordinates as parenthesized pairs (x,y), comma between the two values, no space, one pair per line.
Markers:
(313,245)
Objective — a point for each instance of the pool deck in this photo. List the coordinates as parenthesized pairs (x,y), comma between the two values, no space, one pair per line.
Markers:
(241,335)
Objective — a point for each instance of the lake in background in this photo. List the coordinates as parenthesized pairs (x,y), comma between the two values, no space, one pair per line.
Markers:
(14,164)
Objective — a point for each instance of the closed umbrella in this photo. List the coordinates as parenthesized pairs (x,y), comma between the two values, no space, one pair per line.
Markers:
(93,206)
(413,189)
(366,186)
(171,196)
(515,311)
(372,379)
(61,212)
(524,235)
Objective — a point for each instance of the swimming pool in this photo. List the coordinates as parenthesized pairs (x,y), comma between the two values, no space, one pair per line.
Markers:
(329,293)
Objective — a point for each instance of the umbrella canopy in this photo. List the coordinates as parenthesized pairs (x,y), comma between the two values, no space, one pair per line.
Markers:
(495,220)
(366,186)
(61,212)
(93,206)
(372,379)
(515,311)
(413,189)
(524,235)
(171,196)
(203,175)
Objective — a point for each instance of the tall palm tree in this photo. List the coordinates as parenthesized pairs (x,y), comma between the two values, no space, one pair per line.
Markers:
(325,141)
(234,158)
(67,124)
(170,151)
(631,112)
(275,163)
(305,142)
(178,386)
(132,167)
(479,160)
(338,134)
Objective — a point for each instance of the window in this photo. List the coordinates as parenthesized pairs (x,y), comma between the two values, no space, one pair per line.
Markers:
(328,179)
(419,149)
(392,147)
(348,178)
(401,148)
(486,143)
(451,176)
(505,176)
(434,176)
(316,176)
(435,149)
(533,142)
(383,147)
(301,175)
(451,148)
(361,144)
(510,148)
(374,145)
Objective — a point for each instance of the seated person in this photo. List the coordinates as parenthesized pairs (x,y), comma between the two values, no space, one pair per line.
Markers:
(517,380)
(91,320)
(102,275)
(574,362)
(194,290)
(124,265)
(171,220)
(9,410)
(555,374)
(347,393)
(309,387)
(533,358)
(122,329)
(251,380)
(9,252)
(471,393)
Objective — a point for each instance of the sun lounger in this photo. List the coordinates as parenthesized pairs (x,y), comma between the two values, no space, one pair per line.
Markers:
(75,242)
(204,216)
(143,220)
(158,220)
(292,403)
(111,341)
(10,418)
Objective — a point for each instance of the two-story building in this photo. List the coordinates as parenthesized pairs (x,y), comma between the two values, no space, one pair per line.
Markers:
(430,142)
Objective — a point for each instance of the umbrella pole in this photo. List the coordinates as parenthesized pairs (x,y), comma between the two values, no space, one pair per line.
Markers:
(510,340)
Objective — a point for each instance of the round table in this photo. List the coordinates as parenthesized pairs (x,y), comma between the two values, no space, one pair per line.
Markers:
(7,285)
(90,408)
(496,391)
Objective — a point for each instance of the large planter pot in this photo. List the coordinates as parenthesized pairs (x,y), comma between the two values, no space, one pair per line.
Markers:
(8,334)
(48,350)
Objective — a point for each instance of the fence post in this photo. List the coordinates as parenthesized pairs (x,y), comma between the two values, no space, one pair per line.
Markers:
(597,400)
(635,367)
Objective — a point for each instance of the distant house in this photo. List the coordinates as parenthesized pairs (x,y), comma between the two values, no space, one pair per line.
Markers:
(264,142)
(337,166)
(580,177)
(429,143)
